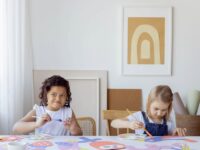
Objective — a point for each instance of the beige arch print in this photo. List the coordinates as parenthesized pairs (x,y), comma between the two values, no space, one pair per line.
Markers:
(155,37)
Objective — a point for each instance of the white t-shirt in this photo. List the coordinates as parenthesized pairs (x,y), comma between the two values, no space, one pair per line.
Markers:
(171,123)
(54,127)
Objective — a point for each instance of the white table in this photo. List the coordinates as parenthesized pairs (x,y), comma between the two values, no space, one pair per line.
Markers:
(104,142)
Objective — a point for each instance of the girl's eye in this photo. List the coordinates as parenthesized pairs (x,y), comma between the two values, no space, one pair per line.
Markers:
(54,94)
(62,95)
(164,110)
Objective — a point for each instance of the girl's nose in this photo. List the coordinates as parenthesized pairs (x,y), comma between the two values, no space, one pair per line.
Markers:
(159,113)
(57,97)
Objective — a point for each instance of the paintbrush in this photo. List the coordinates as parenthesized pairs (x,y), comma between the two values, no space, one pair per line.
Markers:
(149,134)
(60,120)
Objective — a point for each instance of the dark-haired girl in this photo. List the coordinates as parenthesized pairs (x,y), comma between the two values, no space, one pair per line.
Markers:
(53,116)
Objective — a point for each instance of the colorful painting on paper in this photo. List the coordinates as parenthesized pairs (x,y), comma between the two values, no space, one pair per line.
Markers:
(174,146)
(106,145)
(10,138)
(146,40)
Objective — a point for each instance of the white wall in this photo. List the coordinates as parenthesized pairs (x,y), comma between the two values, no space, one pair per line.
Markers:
(87,34)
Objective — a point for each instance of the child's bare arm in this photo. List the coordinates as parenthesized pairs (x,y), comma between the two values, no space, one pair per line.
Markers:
(25,125)
(28,124)
(125,123)
(72,125)
(120,123)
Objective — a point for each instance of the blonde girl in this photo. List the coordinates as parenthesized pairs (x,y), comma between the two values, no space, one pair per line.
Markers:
(158,119)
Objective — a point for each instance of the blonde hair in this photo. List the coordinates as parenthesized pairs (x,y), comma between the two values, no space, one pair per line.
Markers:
(162,93)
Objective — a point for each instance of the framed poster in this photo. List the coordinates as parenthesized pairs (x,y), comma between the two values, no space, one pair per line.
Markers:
(147,40)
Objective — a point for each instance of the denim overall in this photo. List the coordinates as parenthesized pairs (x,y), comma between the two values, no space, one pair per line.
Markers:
(154,128)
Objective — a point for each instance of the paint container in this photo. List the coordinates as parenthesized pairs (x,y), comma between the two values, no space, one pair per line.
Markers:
(16,146)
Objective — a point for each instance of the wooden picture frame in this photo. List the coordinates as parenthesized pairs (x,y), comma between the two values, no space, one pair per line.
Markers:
(147,40)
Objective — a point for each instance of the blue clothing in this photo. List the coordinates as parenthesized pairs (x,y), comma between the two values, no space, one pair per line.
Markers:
(154,128)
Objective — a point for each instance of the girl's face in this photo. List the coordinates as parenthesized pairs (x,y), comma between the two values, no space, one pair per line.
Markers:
(158,109)
(56,98)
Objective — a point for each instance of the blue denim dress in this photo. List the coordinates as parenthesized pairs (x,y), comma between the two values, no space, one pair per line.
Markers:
(154,128)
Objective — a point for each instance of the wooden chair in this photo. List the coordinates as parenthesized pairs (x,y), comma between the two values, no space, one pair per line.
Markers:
(110,115)
(87,125)
(190,122)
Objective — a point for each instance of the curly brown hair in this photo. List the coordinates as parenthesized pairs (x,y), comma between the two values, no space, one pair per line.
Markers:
(54,80)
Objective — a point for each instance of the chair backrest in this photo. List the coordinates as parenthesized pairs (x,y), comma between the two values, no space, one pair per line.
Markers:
(190,122)
(87,125)
(110,115)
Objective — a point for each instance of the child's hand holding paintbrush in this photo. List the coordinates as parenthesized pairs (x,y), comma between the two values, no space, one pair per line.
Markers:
(137,125)
(42,119)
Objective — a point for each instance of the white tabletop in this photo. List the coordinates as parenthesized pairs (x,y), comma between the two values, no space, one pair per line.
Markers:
(103,142)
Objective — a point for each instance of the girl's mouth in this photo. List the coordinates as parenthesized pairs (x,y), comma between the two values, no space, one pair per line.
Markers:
(57,103)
